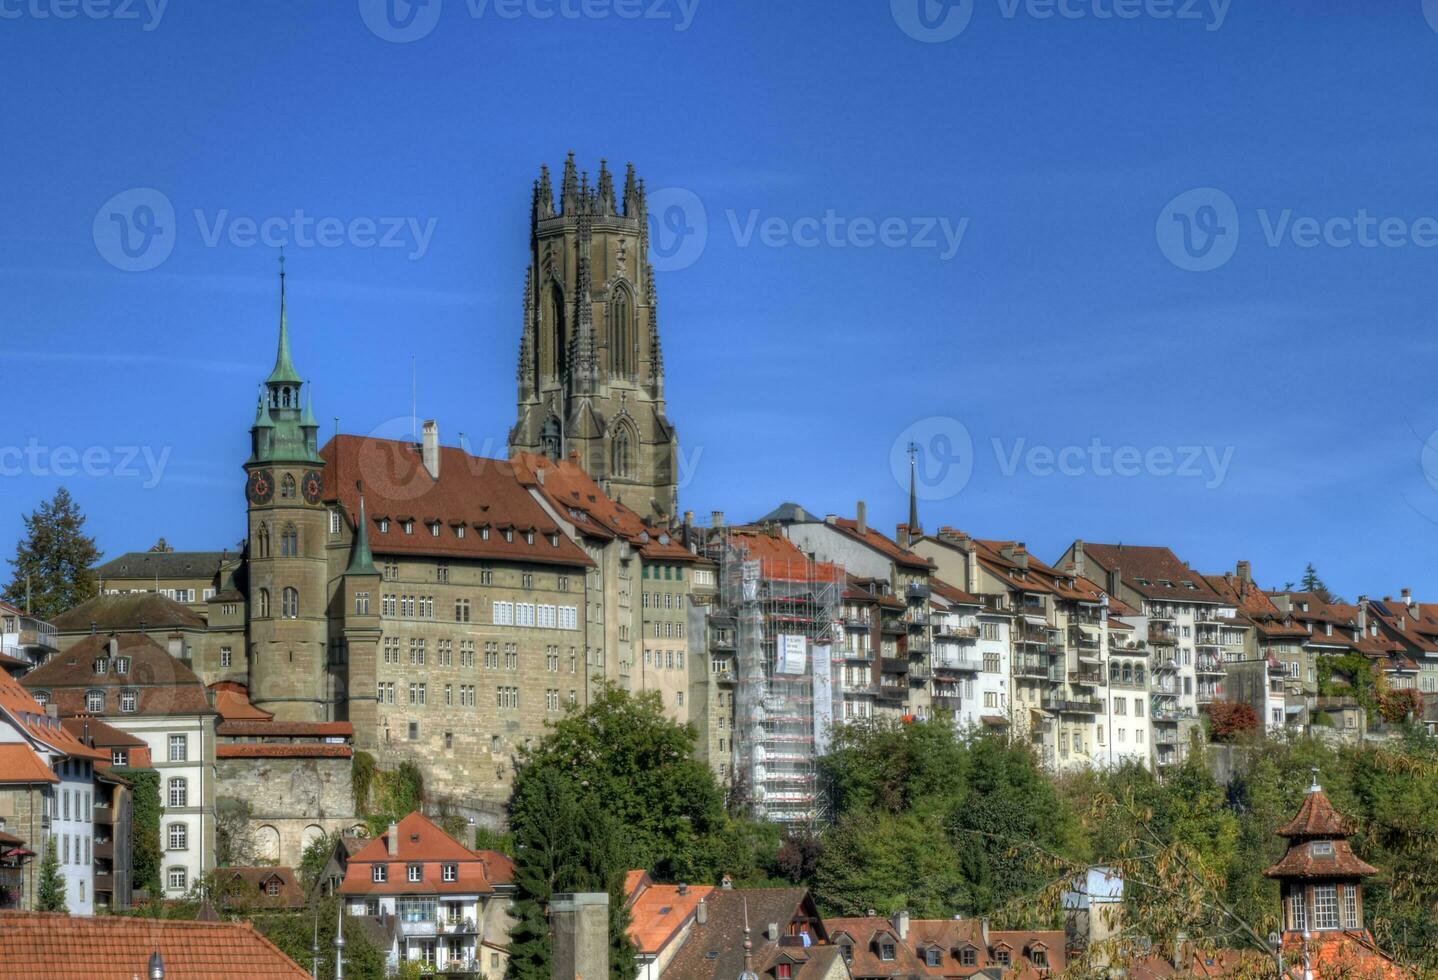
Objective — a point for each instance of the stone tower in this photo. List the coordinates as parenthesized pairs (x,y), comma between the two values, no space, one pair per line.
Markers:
(591,372)
(287,565)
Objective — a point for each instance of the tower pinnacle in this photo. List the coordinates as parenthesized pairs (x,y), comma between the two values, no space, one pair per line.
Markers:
(284,370)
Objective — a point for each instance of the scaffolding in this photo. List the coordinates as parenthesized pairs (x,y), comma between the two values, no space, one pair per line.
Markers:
(785,609)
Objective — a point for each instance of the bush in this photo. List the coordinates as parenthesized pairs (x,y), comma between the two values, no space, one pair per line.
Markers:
(1230,720)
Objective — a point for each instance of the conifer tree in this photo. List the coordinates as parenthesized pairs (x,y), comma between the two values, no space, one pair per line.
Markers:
(50,893)
(52,561)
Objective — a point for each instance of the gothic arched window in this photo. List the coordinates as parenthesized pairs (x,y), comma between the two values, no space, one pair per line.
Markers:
(264,612)
(1113,674)
(621,333)
(289,542)
(549,439)
(1138,675)
(553,342)
(287,487)
(290,604)
(622,463)
(262,540)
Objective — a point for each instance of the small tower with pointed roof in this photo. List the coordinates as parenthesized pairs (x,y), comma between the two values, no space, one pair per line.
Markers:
(288,586)
(362,636)
(1320,878)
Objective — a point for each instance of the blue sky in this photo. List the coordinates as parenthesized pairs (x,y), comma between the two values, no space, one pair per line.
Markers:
(1064,324)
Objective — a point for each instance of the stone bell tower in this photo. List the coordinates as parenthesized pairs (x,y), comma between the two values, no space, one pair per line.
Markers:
(288,585)
(591,372)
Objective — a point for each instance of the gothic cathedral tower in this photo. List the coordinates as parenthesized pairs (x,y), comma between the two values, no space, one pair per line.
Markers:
(591,373)
(287,566)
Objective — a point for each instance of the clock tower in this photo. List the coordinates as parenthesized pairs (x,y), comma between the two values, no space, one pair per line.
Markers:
(288,585)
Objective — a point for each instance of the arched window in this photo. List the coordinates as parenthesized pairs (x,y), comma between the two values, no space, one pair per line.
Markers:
(179,792)
(289,542)
(550,439)
(262,540)
(621,333)
(264,611)
(1138,675)
(290,604)
(1113,674)
(1128,673)
(623,462)
(287,487)
(553,339)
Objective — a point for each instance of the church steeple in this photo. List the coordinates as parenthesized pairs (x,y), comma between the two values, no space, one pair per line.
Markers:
(284,371)
(282,429)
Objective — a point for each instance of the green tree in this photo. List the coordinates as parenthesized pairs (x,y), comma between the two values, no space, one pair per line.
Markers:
(1311,582)
(50,890)
(562,844)
(626,756)
(52,561)
(888,862)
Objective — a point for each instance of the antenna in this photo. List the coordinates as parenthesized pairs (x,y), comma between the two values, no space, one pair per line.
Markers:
(413,401)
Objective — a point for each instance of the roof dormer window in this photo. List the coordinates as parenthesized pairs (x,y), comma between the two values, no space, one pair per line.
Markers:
(484,534)
(384,525)
(529,537)
(409,527)
(102,665)
(434,530)
(459,531)
(509,534)
(122,665)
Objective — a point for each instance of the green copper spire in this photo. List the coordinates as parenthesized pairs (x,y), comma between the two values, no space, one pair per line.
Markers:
(262,414)
(361,561)
(284,372)
(308,420)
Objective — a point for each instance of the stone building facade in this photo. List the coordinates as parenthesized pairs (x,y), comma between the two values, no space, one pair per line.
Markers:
(591,370)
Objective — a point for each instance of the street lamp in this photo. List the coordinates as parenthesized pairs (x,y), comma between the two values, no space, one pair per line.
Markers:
(157,966)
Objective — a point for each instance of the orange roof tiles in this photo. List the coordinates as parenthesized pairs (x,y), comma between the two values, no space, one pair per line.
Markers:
(63,947)
(659,911)
(881,543)
(421,841)
(1316,817)
(235,705)
(25,713)
(471,490)
(164,685)
(779,558)
(19,763)
(1164,575)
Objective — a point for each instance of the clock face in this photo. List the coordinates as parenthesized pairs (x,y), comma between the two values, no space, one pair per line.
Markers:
(314,485)
(261,487)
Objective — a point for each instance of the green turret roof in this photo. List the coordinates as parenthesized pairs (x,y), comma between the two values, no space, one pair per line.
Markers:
(284,372)
(262,415)
(361,561)
(307,421)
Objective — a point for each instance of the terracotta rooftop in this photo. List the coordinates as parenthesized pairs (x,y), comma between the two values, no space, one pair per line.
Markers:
(163,685)
(715,949)
(20,708)
(881,543)
(20,764)
(1152,572)
(1316,817)
(471,491)
(126,611)
(421,841)
(657,912)
(43,944)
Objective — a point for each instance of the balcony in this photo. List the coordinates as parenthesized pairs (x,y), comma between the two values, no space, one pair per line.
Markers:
(1162,637)
(1087,678)
(1084,638)
(1068,707)
(917,620)
(1171,714)
(1210,665)
(894,665)
(958,665)
(919,673)
(104,850)
(917,590)
(103,815)
(1165,736)
(949,632)
(919,646)
(1165,664)
(863,656)
(948,702)
(1129,648)
(893,627)
(1038,671)
(1209,695)
(893,692)
(859,624)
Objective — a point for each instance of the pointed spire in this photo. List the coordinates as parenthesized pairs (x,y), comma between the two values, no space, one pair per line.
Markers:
(284,370)
(606,188)
(913,495)
(361,560)
(340,941)
(631,193)
(543,194)
(308,421)
(569,189)
(748,973)
(262,414)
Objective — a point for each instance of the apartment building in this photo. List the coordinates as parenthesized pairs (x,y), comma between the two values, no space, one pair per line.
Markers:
(191,578)
(1256,649)
(48,790)
(135,686)
(971,657)
(441,904)
(25,641)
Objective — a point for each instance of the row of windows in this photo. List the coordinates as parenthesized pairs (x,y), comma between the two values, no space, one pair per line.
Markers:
(668,659)
(663,600)
(80,852)
(506,697)
(538,615)
(97,702)
(460,530)
(289,604)
(414,873)
(82,804)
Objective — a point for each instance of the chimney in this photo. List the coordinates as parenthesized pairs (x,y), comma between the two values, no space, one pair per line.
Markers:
(1407,595)
(683,888)
(861,518)
(971,563)
(716,519)
(431,447)
(1245,571)
(393,839)
(1362,613)
(113,647)
(901,535)
(901,924)
(772,933)
(701,912)
(580,923)
(1079,558)
(1115,579)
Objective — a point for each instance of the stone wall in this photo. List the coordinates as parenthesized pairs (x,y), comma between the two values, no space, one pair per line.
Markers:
(291,802)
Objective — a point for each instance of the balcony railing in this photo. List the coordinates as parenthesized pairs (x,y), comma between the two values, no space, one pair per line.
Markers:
(1088,678)
(857,623)
(1164,664)
(1127,648)
(1157,634)
(948,702)
(1070,707)
(918,645)
(917,620)
(895,627)
(894,665)
(1171,714)
(917,590)
(946,632)
(893,692)
(958,665)
(1209,665)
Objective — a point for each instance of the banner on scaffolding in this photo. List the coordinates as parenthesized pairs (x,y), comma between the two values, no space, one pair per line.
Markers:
(749,576)
(790,653)
(823,697)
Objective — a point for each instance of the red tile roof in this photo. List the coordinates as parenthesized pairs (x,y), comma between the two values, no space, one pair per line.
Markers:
(575,495)
(19,763)
(1156,566)
(881,543)
(272,750)
(421,841)
(93,731)
(471,490)
(252,885)
(62,947)
(1316,817)
(234,705)
(164,685)
(779,558)
(21,709)
(659,911)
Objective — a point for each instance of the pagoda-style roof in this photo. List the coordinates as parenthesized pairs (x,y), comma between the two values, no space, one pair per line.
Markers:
(1316,818)
(1321,859)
